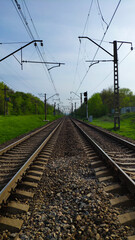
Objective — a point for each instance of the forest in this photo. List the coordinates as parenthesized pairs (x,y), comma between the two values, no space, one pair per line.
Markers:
(101,104)
(19,103)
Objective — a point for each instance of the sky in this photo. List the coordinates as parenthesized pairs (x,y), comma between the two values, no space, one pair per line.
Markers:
(59,23)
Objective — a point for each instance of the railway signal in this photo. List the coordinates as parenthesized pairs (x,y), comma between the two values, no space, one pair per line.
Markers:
(85,97)
(86,102)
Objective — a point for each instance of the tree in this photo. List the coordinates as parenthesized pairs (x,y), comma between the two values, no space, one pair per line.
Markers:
(21,103)
(95,105)
(107,96)
(127,99)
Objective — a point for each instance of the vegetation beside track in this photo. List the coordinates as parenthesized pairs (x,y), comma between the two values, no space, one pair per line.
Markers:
(14,126)
(127,124)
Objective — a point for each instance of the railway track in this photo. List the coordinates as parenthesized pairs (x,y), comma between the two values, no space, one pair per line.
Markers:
(118,162)
(17,162)
(120,151)
(77,196)
(13,157)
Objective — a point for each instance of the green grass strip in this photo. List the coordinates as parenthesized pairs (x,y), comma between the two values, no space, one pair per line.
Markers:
(127,124)
(14,126)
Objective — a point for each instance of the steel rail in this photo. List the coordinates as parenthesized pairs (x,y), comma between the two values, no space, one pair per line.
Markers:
(6,191)
(5,149)
(120,173)
(116,138)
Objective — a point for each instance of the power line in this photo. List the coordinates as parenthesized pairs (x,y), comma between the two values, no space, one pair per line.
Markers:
(11,42)
(88,16)
(31,19)
(27,84)
(100,43)
(111,71)
(101,13)
(25,23)
(39,52)
(19,11)
(83,34)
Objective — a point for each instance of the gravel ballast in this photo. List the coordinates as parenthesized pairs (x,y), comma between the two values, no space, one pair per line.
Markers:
(70,203)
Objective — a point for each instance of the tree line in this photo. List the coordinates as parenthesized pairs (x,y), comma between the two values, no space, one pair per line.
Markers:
(102,103)
(19,103)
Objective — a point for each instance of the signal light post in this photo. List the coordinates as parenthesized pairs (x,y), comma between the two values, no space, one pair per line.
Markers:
(86,102)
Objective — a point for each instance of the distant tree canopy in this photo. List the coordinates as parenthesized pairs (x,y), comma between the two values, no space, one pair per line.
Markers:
(19,103)
(102,103)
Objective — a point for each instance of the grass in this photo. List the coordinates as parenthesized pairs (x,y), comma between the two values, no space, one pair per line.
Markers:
(14,126)
(127,124)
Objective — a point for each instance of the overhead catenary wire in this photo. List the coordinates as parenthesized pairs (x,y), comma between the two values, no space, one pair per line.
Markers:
(100,43)
(25,23)
(13,71)
(90,8)
(39,52)
(11,42)
(23,19)
(101,13)
(31,19)
(108,75)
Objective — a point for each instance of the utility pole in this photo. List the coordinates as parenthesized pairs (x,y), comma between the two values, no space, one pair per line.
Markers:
(72,107)
(54,108)
(58,108)
(5,100)
(81,98)
(86,102)
(75,109)
(45,107)
(5,103)
(116,88)
(45,103)
(116,79)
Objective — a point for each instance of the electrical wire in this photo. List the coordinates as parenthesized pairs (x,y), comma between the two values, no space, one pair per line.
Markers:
(100,43)
(111,71)
(39,52)
(101,13)
(11,43)
(80,41)
(87,17)
(31,19)
(27,84)
(20,14)
(25,23)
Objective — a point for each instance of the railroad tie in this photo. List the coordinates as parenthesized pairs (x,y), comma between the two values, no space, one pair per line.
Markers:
(95,164)
(131,238)
(29,184)
(13,225)
(104,179)
(36,173)
(102,173)
(32,178)
(122,201)
(100,168)
(127,218)
(114,188)
(16,207)
(24,194)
